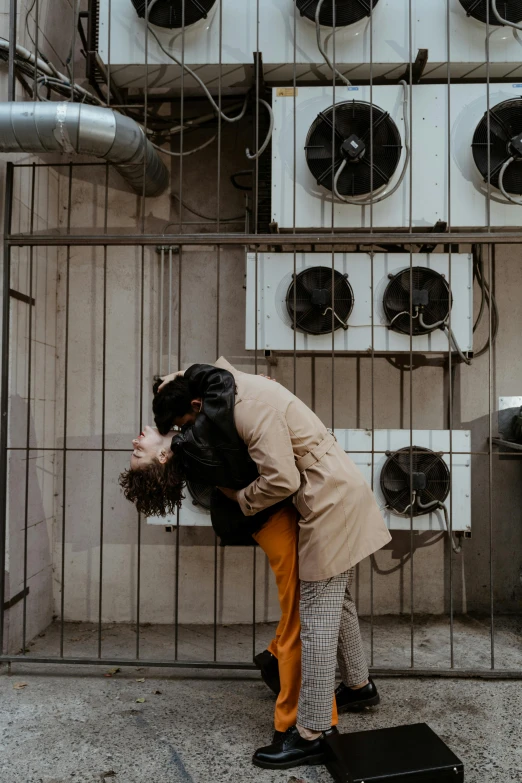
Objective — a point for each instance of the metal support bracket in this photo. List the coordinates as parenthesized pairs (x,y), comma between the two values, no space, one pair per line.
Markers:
(416,68)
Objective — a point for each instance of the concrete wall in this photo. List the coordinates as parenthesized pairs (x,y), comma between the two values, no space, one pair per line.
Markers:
(32,473)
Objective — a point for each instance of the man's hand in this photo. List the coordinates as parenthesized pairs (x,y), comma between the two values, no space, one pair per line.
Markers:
(231,494)
(267,377)
(168,378)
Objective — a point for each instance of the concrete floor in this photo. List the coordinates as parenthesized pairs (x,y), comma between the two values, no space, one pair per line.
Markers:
(75,725)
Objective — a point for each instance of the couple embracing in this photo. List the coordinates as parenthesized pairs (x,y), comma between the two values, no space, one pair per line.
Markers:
(280,478)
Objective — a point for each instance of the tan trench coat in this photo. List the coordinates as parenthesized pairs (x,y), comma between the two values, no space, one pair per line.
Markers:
(295,455)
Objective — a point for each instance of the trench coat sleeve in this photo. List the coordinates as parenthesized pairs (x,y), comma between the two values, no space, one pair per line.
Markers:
(264,430)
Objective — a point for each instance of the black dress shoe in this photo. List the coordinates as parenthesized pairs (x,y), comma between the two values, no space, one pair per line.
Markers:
(278,736)
(269,667)
(355,700)
(291,751)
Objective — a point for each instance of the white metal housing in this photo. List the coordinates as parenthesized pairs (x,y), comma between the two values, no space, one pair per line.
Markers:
(275,327)
(190,515)
(358,444)
(460,201)
(388,45)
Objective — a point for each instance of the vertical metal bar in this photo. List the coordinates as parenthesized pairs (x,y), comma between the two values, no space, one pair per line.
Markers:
(109,41)
(450,368)
(36,42)
(219,133)
(372,358)
(28,418)
(65,401)
(218,302)
(102,492)
(142,362)
(491,269)
(104,373)
(182,118)
(145,113)
(170,315)
(256,179)
(176,584)
(11,82)
(294,197)
(4,386)
(75,8)
(412,606)
(490,351)
(161,295)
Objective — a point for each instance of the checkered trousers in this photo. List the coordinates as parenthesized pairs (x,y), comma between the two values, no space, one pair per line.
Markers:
(329,624)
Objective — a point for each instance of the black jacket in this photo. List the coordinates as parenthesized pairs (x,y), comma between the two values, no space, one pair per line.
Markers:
(213,453)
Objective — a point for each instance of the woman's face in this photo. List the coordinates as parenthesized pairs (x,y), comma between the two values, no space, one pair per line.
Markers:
(149,446)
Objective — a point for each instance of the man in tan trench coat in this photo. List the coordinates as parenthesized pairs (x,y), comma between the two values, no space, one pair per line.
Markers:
(340,524)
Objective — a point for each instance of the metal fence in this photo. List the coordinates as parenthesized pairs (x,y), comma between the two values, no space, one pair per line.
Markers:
(254,235)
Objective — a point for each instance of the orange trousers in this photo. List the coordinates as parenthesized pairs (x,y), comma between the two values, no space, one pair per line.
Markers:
(278,539)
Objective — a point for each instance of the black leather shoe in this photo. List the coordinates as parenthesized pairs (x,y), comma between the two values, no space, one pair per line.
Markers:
(352,700)
(291,751)
(269,668)
(278,736)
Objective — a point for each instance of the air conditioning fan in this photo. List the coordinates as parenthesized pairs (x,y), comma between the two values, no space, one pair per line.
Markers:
(194,511)
(466,205)
(416,477)
(306,301)
(172,14)
(346,12)
(344,133)
(507,9)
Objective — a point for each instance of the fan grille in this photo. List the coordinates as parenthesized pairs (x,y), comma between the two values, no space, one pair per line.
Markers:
(169,13)
(396,479)
(505,123)
(311,293)
(425,285)
(200,494)
(508,9)
(346,11)
(373,168)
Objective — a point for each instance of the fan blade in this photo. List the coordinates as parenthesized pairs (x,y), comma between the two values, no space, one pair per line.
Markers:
(198,7)
(303,315)
(508,131)
(326,119)
(329,172)
(375,124)
(372,165)
(317,152)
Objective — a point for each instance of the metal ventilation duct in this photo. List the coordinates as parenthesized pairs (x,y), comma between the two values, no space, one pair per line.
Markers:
(87,130)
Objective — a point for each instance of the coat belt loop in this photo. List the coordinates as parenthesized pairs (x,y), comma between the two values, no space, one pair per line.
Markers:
(315,454)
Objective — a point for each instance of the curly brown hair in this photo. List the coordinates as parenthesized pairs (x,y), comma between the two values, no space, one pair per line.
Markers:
(156,489)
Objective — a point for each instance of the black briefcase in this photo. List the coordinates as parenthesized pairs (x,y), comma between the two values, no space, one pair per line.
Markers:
(405,754)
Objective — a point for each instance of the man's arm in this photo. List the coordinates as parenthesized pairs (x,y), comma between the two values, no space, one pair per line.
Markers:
(265,432)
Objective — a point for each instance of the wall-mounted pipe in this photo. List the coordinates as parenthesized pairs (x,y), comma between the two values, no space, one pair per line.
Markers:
(87,130)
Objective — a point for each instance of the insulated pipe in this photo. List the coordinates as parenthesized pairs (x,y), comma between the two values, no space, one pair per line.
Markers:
(87,130)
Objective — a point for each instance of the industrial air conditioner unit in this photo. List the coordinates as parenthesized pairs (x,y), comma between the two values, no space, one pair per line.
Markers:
(235,23)
(305,299)
(427,475)
(427,479)
(363,175)
(194,511)
(386,41)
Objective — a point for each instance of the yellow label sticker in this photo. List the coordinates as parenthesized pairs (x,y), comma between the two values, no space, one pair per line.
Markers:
(286,92)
